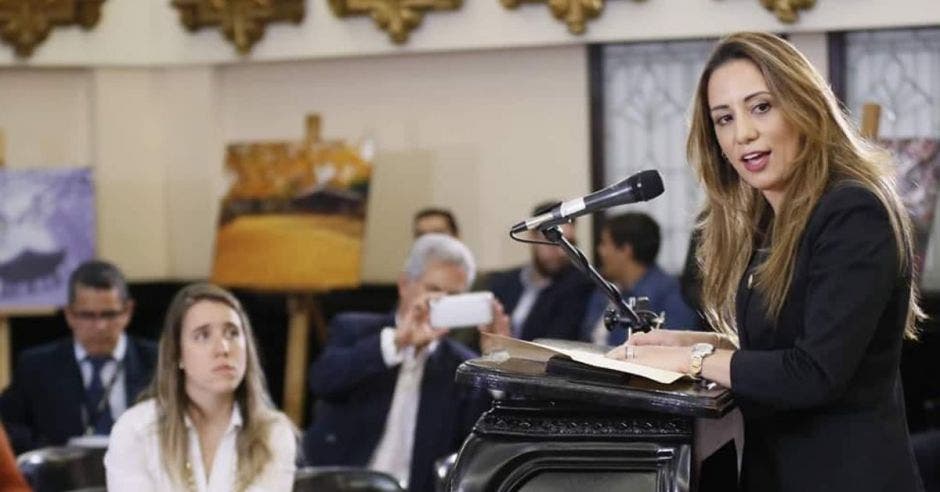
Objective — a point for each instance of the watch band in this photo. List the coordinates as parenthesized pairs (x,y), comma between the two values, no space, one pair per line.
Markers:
(699,352)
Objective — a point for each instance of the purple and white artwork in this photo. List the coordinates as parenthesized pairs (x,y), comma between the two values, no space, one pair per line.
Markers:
(47,228)
(918,175)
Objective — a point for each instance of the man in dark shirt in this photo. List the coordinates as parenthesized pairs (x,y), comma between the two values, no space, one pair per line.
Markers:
(80,385)
(546,298)
(385,382)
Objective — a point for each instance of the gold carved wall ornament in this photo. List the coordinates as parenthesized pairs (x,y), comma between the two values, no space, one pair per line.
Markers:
(397,17)
(575,13)
(26,23)
(787,10)
(242,21)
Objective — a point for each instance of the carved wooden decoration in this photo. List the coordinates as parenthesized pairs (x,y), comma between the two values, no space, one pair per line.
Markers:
(397,17)
(787,10)
(26,23)
(242,21)
(575,13)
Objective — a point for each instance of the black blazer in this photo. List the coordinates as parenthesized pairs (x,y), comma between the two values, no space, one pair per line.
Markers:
(43,404)
(559,310)
(355,389)
(819,387)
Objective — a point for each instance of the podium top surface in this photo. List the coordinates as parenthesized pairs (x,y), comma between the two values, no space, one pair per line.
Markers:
(529,379)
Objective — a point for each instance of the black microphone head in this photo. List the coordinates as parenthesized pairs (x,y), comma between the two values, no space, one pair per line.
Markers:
(646,185)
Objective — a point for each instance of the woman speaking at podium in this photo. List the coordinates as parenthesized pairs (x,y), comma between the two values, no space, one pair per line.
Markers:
(806,258)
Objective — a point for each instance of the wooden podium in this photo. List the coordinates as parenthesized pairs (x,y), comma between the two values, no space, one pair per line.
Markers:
(555,430)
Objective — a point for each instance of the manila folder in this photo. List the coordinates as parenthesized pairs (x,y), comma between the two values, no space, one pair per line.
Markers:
(541,352)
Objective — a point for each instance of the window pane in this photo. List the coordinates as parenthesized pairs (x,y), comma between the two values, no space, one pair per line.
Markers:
(648,88)
(899,70)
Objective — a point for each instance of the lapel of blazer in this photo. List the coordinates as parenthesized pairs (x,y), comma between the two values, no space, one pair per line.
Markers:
(741,300)
(510,290)
(134,373)
(389,378)
(68,388)
(381,393)
(431,409)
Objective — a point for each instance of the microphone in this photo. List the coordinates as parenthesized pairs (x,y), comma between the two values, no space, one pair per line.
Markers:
(642,186)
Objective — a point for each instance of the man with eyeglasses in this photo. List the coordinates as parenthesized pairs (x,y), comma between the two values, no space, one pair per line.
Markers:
(79,386)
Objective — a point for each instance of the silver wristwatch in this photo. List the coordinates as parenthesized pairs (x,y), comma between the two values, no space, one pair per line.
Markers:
(699,352)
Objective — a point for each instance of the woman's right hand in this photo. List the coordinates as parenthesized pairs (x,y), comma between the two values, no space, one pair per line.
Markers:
(673,338)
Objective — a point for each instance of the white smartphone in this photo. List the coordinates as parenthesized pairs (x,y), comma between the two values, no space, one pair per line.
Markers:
(462,310)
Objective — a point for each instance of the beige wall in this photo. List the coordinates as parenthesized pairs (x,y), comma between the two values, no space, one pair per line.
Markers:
(46,117)
(487,132)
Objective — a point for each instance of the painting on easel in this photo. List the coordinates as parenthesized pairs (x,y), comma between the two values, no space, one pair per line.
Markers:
(294,218)
(918,175)
(47,227)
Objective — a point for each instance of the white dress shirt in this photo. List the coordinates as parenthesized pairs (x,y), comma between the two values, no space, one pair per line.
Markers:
(117,399)
(134,464)
(393,454)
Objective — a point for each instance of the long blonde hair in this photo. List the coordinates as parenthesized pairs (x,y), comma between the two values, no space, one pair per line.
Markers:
(736,217)
(169,389)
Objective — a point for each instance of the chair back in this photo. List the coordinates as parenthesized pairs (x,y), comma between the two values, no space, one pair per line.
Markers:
(63,468)
(442,469)
(343,479)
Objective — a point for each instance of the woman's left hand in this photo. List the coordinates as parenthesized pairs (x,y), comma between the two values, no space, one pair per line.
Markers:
(662,357)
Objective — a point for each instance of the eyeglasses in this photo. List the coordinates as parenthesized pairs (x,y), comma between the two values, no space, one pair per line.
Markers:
(90,316)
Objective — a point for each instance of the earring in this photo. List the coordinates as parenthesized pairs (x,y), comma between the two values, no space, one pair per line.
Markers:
(181,365)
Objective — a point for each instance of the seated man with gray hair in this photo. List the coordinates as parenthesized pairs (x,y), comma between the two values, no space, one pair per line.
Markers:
(385,382)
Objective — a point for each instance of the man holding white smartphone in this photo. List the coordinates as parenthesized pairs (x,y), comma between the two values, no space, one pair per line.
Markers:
(388,399)
(547,297)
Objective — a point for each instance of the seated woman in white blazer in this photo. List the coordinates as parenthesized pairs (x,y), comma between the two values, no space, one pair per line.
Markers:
(207,424)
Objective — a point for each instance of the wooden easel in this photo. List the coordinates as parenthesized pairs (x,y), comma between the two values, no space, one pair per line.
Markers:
(303,310)
(871,117)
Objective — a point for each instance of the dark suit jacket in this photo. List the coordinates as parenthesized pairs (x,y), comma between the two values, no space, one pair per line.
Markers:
(820,387)
(558,311)
(43,404)
(355,389)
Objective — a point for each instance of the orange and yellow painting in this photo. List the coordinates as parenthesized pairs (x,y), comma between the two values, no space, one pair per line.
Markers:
(294,217)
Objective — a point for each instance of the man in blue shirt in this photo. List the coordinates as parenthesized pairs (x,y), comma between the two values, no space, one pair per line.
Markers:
(628,247)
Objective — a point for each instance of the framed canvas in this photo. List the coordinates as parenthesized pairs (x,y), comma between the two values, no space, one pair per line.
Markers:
(47,228)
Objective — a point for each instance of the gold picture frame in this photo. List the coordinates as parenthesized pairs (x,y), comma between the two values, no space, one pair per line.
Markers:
(242,21)
(574,13)
(396,17)
(787,11)
(25,24)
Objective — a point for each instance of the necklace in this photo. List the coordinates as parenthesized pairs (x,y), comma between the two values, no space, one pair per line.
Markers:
(190,478)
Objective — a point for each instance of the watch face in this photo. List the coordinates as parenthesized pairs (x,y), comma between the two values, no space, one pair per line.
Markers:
(702,349)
